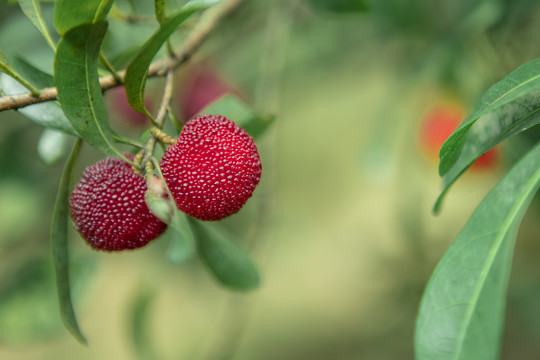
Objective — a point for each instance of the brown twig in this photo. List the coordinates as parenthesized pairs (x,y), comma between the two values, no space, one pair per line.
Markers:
(208,21)
(160,117)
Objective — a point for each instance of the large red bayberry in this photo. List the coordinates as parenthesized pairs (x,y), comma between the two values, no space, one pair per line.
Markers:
(213,168)
(108,207)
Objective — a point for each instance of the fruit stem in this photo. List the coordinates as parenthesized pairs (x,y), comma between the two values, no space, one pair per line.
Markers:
(166,100)
(156,132)
(162,137)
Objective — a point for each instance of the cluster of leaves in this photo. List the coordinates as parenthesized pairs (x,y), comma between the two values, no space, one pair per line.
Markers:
(79,65)
(462,311)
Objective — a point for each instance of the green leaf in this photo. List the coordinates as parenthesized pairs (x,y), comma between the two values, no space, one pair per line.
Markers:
(77,81)
(49,114)
(59,240)
(236,110)
(462,311)
(69,14)
(507,108)
(31,73)
(182,246)
(8,70)
(341,6)
(3,59)
(32,10)
(229,263)
(135,78)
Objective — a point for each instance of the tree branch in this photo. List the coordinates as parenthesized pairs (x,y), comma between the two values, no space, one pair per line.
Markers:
(208,21)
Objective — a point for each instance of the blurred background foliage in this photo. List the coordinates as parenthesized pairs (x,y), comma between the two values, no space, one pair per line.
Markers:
(341,223)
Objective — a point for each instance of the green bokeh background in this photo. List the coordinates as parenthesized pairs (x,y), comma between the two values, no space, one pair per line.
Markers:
(341,223)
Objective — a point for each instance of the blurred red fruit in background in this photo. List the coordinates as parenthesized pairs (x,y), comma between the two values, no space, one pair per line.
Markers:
(199,87)
(118,104)
(439,123)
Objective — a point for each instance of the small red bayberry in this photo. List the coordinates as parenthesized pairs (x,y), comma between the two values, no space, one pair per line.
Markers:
(108,207)
(439,123)
(119,106)
(202,85)
(213,168)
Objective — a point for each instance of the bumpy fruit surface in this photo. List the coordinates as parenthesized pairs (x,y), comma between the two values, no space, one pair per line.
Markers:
(213,168)
(108,207)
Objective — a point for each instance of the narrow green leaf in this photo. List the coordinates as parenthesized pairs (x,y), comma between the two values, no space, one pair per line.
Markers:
(229,263)
(31,73)
(49,114)
(507,108)
(32,10)
(161,207)
(462,311)
(6,68)
(69,14)
(159,8)
(236,110)
(182,246)
(59,240)
(3,59)
(77,81)
(135,78)
(103,10)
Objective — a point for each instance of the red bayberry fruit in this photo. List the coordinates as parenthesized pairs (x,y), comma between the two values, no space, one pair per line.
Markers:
(213,168)
(439,123)
(108,207)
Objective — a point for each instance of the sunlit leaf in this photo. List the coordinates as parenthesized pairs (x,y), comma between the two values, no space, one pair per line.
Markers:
(69,14)
(230,264)
(48,114)
(462,310)
(32,10)
(236,110)
(77,81)
(135,78)
(507,108)
(59,240)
